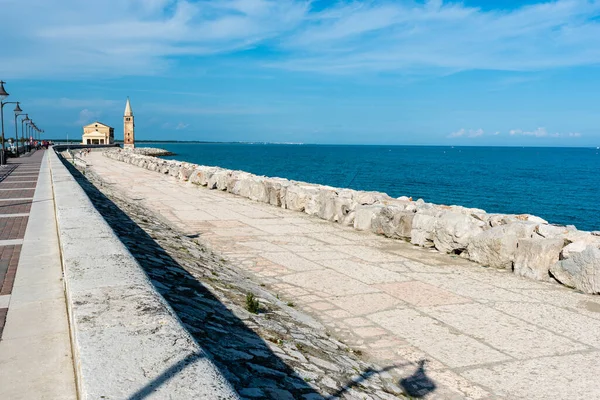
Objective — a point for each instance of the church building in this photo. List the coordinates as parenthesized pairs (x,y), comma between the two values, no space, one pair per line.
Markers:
(128,127)
(98,133)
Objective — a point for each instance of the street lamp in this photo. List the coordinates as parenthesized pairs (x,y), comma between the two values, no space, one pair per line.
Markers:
(32,132)
(29,132)
(26,120)
(18,112)
(3,95)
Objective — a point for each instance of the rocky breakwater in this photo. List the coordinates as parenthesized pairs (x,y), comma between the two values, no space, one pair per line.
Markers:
(150,151)
(525,244)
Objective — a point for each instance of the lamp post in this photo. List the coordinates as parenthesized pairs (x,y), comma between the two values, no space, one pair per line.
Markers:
(26,120)
(18,112)
(3,95)
(32,132)
(29,130)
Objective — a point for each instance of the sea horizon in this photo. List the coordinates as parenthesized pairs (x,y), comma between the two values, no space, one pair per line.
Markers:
(338,144)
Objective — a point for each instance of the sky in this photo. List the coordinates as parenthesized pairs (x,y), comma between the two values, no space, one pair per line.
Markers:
(473,72)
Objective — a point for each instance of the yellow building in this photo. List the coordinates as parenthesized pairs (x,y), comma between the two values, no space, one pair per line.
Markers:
(98,133)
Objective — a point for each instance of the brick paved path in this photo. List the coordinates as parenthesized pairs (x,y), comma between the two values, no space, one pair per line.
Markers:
(17,185)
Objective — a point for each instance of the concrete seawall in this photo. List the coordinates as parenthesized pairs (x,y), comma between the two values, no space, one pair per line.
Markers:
(525,244)
(127,341)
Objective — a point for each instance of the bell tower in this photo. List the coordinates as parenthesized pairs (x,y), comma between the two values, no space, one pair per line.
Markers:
(128,127)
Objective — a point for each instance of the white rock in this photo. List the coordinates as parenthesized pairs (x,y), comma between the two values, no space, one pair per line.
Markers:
(575,247)
(276,188)
(240,183)
(312,205)
(393,222)
(581,270)
(534,257)
(364,216)
(258,190)
(496,246)
(218,180)
(344,206)
(297,196)
(453,231)
(327,199)
(369,198)
(423,226)
(507,219)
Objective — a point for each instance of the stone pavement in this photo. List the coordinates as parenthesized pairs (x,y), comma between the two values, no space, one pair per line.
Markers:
(477,332)
(35,349)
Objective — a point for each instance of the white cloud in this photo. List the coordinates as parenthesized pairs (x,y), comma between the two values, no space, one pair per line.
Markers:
(539,132)
(73,38)
(542,133)
(471,133)
(172,126)
(65,102)
(86,116)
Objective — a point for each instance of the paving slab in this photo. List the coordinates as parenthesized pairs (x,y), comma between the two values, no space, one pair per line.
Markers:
(480,333)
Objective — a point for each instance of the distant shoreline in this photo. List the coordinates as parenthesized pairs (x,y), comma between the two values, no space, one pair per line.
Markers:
(343,144)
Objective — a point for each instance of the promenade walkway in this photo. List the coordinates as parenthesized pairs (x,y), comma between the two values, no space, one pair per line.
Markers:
(35,348)
(478,333)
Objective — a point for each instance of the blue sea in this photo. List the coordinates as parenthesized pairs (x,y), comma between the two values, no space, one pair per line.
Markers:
(561,185)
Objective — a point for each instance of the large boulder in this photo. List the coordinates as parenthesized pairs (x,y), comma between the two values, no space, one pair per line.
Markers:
(369,198)
(393,222)
(174,169)
(276,188)
(258,190)
(508,219)
(365,215)
(453,231)
(496,246)
(298,197)
(186,171)
(199,176)
(234,178)
(313,204)
(580,271)
(327,198)
(423,227)
(574,247)
(535,256)
(240,183)
(218,180)
(163,167)
(344,206)
(552,231)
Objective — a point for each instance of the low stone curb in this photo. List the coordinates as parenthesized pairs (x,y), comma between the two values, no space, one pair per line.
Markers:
(525,244)
(127,342)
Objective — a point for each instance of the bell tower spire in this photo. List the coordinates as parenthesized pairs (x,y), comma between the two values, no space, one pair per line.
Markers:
(128,127)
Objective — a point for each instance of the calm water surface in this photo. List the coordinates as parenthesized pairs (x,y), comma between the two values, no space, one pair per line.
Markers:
(561,185)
